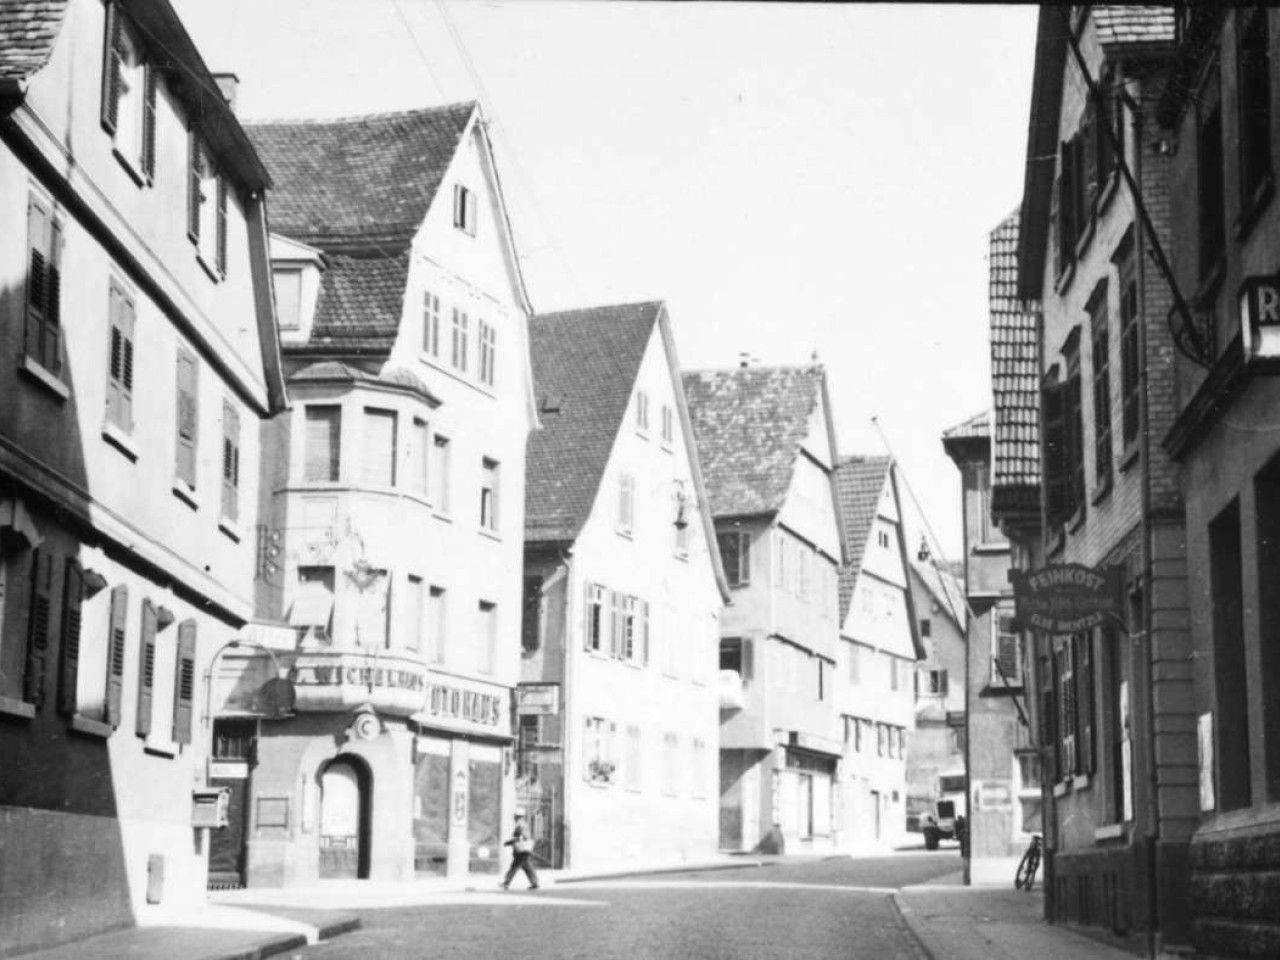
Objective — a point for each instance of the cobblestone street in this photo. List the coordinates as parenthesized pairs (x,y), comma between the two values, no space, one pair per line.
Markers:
(803,908)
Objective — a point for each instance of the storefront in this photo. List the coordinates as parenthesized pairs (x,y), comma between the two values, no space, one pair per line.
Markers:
(805,799)
(388,770)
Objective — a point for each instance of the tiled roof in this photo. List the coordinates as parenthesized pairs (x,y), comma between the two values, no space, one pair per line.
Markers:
(329,371)
(359,180)
(859,483)
(584,367)
(1015,381)
(360,303)
(28,29)
(1127,25)
(977,427)
(749,423)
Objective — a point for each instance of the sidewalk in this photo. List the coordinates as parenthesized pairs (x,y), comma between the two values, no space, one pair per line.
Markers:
(213,932)
(954,922)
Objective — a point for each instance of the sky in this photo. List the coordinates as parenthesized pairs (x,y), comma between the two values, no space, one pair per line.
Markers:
(793,180)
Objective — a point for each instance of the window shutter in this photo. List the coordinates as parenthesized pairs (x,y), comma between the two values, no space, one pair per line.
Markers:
(230,461)
(195,174)
(115,652)
(38,628)
(1055,453)
(115,361)
(459,205)
(1089,136)
(146,669)
(184,682)
(150,77)
(222,225)
(588,608)
(111,69)
(187,420)
(615,624)
(126,319)
(644,632)
(470,212)
(1067,205)
(69,663)
(1084,702)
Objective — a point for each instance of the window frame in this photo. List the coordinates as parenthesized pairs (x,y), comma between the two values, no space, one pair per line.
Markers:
(121,336)
(490,477)
(294,272)
(42,317)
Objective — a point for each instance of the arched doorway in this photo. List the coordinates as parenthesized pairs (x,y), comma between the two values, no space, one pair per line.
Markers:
(344,819)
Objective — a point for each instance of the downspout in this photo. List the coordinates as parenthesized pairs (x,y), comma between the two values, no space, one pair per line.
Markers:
(1153,814)
(566,688)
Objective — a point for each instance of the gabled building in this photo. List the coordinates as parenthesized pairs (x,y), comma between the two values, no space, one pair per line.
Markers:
(937,747)
(393,506)
(875,666)
(766,443)
(1114,705)
(1217,116)
(619,702)
(139,350)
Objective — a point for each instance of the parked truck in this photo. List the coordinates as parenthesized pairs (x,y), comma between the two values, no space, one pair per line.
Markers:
(946,820)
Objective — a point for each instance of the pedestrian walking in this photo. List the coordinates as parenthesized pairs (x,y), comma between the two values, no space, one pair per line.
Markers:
(521,845)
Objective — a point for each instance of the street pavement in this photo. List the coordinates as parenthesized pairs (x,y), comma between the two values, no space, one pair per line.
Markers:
(804,907)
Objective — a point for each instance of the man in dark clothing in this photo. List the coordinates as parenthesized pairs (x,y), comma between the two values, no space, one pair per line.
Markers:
(521,845)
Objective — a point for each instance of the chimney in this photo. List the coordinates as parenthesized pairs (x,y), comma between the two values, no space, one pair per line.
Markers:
(227,84)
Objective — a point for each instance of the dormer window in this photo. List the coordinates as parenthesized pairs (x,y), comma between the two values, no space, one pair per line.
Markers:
(129,98)
(206,208)
(288,284)
(464,209)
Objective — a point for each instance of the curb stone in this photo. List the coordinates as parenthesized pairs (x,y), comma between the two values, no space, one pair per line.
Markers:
(907,917)
(658,871)
(269,948)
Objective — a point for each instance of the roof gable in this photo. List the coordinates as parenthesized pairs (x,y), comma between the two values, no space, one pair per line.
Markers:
(358,181)
(860,483)
(749,424)
(585,364)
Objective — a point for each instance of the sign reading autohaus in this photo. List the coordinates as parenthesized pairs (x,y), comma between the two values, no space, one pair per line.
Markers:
(1067,597)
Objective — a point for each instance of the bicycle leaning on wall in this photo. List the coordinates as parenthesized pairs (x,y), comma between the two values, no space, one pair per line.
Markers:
(1025,878)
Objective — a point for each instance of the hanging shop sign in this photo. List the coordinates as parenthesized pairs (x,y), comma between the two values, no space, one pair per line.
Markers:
(1260,318)
(1067,597)
(538,699)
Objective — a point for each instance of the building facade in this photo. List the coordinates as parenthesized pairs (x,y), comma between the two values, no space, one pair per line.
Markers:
(1217,118)
(767,448)
(999,753)
(1113,705)
(937,737)
(134,253)
(393,502)
(623,593)
(875,667)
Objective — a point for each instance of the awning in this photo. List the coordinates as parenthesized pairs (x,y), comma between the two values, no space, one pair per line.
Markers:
(18,531)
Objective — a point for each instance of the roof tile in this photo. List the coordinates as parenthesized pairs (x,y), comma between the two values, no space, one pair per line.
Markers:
(28,29)
(859,483)
(1015,373)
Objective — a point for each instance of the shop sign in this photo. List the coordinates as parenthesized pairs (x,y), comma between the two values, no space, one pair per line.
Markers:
(992,795)
(1067,597)
(538,699)
(1260,317)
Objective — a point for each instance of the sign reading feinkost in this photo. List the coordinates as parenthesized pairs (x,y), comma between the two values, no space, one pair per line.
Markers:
(1067,597)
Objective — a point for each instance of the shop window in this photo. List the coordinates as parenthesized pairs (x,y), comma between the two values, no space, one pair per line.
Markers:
(1231,713)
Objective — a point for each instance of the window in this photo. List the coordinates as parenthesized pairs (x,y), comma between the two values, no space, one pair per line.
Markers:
(735,554)
(312,608)
(699,771)
(1212,229)
(458,355)
(1130,361)
(1111,117)
(882,538)
(322,443)
(121,315)
(431,324)
(893,673)
(670,764)
(206,207)
(822,678)
(595,627)
(438,472)
(735,655)
(531,615)
(633,770)
(668,425)
(489,494)
(43,330)
(487,654)
(855,663)
(926,627)
(1064,467)
(882,740)
(626,503)
(1100,323)
(416,610)
(129,96)
(464,209)
(632,641)
(419,453)
(230,461)
(488,352)
(1006,658)
(642,412)
(288,286)
(938,682)
(1028,789)
(1254,62)
(598,764)
(184,468)
(1230,669)
(437,624)
(379,447)
(682,528)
